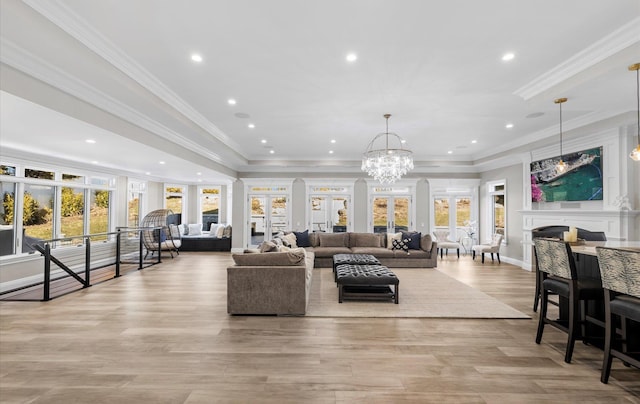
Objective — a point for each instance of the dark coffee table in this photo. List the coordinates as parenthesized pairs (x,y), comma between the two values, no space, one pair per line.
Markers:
(353,259)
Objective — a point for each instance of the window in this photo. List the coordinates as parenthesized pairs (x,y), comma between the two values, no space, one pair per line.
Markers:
(173,198)
(7,215)
(37,214)
(65,206)
(497,203)
(72,213)
(209,206)
(441,211)
(134,203)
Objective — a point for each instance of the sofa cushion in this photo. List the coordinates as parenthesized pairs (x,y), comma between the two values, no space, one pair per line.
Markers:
(378,252)
(288,258)
(402,244)
(426,242)
(391,237)
(195,229)
(313,239)
(268,246)
(329,252)
(289,240)
(365,240)
(333,239)
(302,238)
(414,239)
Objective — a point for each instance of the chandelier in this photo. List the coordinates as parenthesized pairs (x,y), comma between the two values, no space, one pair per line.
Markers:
(387,165)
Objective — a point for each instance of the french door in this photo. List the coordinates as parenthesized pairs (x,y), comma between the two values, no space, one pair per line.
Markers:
(268,214)
(391,214)
(329,213)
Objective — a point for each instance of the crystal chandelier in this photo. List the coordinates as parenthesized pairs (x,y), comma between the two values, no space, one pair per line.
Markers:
(387,164)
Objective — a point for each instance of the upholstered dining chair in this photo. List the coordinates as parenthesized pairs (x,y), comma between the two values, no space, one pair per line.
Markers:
(620,273)
(442,237)
(492,248)
(559,276)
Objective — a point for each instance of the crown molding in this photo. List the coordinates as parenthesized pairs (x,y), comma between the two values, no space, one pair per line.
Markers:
(611,44)
(62,16)
(16,57)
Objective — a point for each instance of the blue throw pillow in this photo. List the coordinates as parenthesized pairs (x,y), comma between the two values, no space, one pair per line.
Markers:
(414,239)
(302,238)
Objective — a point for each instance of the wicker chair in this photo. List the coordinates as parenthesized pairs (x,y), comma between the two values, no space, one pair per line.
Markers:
(161,236)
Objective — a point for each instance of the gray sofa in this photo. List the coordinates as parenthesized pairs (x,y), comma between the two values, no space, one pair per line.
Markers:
(326,245)
(275,283)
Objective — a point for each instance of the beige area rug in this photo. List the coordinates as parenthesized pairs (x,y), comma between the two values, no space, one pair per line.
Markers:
(424,293)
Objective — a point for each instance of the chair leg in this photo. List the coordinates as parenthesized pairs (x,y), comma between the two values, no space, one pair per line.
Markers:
(574,307)
(482,258)
(458,250)
(473,254)
(498,254)
(608,337)
(536,297)
(492,257)
(544,299)
(441,252)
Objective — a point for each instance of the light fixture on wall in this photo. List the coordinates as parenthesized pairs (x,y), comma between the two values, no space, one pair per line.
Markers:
(561,166)
(387,165)
(635,153)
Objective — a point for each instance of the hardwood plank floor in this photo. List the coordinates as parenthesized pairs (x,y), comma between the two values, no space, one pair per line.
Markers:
(162,335)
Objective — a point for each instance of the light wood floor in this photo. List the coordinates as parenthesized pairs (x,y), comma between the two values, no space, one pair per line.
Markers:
(162,335)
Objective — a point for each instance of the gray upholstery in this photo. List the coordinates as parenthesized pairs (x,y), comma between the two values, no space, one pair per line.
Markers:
(269,289)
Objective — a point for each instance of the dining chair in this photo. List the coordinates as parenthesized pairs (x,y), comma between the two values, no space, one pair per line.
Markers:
(491,248)
(442,237)
(620,273)
(559,276)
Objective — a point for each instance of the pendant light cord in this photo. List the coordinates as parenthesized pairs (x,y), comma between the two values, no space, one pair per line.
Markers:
(561,132)
(638,100)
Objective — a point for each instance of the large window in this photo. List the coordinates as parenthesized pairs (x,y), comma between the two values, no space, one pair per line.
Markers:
(209,206)
(455,213)
(497,203)
(173,196)
(7,218)
(38,204)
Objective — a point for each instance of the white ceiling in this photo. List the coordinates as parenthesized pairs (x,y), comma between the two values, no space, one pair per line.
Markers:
(434,65)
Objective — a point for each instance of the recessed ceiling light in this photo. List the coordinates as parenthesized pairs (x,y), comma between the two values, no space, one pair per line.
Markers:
(330,151)
(251,126)
(196,57)
(263,141)
(508,56)
(403,141)
(198,173)
(333,140)
(450,152)
(199,179)
(352,57)
(474,141)
(90,141)
(508,126)
(271,151)
(231,101)
(148,173)
(94,162)
(161,162)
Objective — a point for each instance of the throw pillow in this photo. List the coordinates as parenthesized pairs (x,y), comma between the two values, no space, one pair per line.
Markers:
(414,239)
(277,241)
(402,244)
(182,229)
(227,231)
(220,230)
(289,240)
(391,237)
(302,238)
(426,243)
(195,229)
(268,246)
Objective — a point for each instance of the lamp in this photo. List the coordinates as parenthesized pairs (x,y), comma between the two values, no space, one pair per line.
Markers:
(387,164)
(635,153)
(561,166)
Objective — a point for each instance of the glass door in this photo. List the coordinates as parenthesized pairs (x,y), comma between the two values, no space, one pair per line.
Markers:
(329,214)
(268,215)
(391,214)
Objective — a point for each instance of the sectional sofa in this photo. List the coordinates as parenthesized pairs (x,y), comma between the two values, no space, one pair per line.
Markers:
(279,282)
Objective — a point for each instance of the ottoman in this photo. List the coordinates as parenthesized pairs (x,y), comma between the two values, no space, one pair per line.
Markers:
(366,282)
(354,259)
